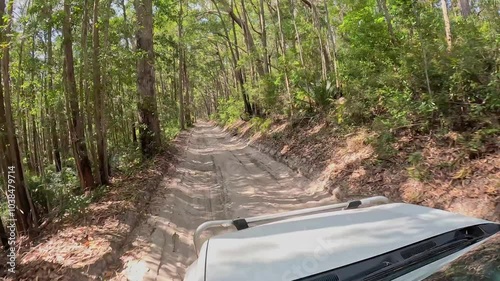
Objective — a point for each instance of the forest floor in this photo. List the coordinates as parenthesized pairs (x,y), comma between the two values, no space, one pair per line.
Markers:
(88,245)
(429,170)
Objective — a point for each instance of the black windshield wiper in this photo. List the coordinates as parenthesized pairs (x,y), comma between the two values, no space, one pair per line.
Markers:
(401,261)
(421,259)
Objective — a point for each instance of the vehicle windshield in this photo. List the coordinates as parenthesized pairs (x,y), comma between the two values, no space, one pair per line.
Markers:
(482,263)
(399,262)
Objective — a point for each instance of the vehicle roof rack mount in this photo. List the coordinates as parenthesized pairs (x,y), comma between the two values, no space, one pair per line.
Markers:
(243,223)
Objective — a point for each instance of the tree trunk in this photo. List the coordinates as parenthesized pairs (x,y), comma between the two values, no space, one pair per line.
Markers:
(86,95)
(247,34)
(134,132)
(263,35)
(150,135)
(25,213)
(331,36)
(447,26)
(297,33)
(464,7)
(325,54)
(187,98)
(99,101)
(77,127)
(424,50)
(182,116)
(383,6)
(36,148)
(283,48)
(3,235)
(235,58)
(29,161)
(53,113)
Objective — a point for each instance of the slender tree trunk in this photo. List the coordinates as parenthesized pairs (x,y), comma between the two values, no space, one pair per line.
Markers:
(77,127)
(388,19)
(224,72)
(25,213)
(36,148)
(150,135)
(107,85)
(3,234)
(26,144)
(297,33)
(283,48)
(125,31)
(182,116)
(464,8)
(34,143)
(187,89)
(52,113)
(424,50)
(447,26)
(134,131)
(99,101)
(85,94)
(21,115)
(247,34)
(325,54)
(331,36)
(263,35)
(235,58)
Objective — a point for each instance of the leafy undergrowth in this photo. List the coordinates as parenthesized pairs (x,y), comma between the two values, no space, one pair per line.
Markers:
(84,246)
(451,171)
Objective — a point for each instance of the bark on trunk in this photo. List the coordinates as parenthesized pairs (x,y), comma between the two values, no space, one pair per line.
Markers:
(263,35)
(388,19)
(3,236)
(25,214)
(297,33)
(150,126)
(182,116)
(283,48)
(238,74)
(99,101)
(77,127)
(464,7)
(447,26)
(53,113)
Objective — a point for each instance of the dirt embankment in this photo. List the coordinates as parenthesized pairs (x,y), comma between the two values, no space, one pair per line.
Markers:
(428,170)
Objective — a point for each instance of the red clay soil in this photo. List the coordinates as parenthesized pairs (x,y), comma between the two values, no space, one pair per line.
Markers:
(89,245)
(425,170)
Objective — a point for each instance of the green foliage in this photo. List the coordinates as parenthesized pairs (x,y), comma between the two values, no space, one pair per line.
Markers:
(57,191)
(417,170)
(261,125)
(476,144)
(125,159)
(321,94)
(383,145)
(267,92)
(229,111)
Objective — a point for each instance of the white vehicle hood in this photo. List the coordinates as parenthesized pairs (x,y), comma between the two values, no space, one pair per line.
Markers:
(300,247)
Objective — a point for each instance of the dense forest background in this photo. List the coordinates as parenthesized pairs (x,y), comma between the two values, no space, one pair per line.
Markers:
(92,87)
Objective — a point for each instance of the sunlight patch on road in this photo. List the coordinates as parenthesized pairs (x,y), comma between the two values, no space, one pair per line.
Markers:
(136,270)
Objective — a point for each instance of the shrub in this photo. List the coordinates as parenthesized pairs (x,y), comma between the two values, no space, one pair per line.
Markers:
(230,110)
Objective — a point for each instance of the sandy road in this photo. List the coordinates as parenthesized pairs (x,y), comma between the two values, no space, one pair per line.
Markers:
(218,177)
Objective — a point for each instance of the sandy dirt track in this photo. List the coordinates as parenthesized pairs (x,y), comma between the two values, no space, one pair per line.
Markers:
(218,177)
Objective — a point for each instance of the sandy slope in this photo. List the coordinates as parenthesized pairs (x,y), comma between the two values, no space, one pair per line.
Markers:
(218,177)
